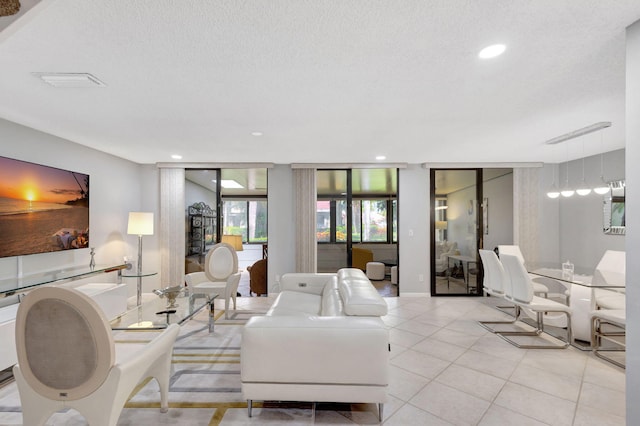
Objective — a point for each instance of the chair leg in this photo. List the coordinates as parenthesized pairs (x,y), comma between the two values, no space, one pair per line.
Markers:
(539,330)
(249,406)
(596,340)
(516,314)
(380,410)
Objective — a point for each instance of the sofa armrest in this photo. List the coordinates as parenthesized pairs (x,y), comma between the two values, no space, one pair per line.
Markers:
(315,350)
(307,283)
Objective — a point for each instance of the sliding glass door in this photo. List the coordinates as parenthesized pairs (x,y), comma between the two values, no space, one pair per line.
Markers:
(456,232)
(357,221)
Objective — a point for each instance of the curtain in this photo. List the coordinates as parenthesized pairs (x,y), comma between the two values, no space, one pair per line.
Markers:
(172,213)
(304,201)
(526,211)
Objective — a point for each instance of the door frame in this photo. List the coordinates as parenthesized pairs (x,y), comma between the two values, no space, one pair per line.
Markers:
(432,230)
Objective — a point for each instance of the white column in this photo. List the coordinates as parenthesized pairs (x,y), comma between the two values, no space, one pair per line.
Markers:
(526,210)
(304,196)
(172,216)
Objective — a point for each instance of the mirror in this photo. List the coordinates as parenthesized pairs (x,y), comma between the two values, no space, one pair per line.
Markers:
(614,211)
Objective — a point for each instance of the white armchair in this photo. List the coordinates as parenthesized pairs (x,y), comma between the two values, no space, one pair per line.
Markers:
(67,358)
(220,275)
(444,249)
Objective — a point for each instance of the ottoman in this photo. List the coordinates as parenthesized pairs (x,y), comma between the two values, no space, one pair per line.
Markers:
(375,270)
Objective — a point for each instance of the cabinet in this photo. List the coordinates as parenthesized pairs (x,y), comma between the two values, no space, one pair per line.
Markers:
(201,221)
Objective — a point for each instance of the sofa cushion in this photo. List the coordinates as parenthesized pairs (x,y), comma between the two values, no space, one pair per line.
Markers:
(296,303)
(360,297)
(331,302)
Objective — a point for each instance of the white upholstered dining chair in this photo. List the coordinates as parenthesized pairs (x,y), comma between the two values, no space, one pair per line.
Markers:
(538,288)
(494,284)
(220,275)
(67,359)
(520,292)
(611,270)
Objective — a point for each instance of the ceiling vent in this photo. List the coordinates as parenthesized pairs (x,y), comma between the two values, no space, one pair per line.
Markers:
(74,80)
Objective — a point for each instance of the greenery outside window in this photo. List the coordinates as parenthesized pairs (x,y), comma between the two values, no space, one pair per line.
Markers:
(371,221)
(247,218)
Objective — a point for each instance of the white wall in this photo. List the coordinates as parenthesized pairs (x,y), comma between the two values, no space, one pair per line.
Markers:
(413,231)
(194,193)
(117,186)
(499,193)
(633,221)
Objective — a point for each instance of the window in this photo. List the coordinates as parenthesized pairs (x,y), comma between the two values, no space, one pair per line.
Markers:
(247,218)
(371,221)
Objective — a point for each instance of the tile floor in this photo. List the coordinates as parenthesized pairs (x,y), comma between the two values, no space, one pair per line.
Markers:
(447,370)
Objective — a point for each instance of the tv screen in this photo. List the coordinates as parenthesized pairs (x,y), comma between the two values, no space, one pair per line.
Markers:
(42,209)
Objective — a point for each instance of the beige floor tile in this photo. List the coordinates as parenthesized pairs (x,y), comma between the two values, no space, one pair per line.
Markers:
(418,328)
(419,363)
(404,338)
(455,337)
(493,345)
(467,326)
(547,381)
(603,373)
(594,416)
(410,415)
(535,404)
(403,384)
(567,362)
(489,364)
(442,350)
(473,382)
(450,404)
(607,400)
(500,416)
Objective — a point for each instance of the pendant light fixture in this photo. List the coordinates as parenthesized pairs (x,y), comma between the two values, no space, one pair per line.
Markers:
(553,192)
(583,189)
(602,187)
(567,191)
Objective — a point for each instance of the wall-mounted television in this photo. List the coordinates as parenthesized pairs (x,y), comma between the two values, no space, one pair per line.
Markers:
(42,209)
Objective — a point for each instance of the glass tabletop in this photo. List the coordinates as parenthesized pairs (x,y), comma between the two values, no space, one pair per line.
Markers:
(554,271)
(157,314)
(12,285)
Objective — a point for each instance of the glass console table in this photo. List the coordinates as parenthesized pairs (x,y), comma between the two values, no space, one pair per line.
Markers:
(11,286)
(156,314)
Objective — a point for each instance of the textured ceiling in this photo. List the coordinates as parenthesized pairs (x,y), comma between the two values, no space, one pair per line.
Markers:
(324,81)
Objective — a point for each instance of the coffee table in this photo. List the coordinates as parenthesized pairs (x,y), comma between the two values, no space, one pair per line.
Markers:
(156,314)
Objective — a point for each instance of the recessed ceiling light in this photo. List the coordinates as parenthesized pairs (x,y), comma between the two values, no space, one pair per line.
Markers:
(381,157)
(176,157)
(492,51)
(256,133)
(71,80)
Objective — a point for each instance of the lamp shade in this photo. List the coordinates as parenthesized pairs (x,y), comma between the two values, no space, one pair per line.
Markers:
(441,224)
(234,241)
(140,223)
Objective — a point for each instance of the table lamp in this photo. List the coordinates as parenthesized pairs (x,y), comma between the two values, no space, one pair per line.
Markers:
(140,223)
(234,241)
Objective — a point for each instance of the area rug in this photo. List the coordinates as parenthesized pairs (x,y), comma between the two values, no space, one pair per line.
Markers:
(205,380)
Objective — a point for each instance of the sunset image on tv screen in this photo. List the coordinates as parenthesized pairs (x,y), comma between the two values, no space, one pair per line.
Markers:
(42,209)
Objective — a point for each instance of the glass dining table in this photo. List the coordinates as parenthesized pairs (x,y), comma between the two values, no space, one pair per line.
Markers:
(582,293)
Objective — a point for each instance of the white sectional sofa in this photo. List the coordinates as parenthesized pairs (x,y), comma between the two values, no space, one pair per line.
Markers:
(322,341)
